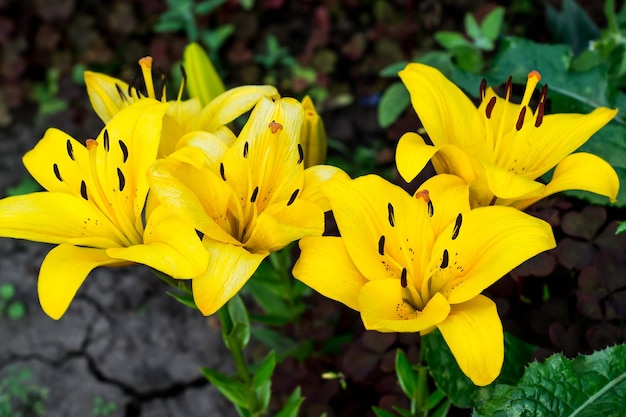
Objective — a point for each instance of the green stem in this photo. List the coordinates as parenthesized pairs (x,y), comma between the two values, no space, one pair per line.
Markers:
(175,283)
(418,402)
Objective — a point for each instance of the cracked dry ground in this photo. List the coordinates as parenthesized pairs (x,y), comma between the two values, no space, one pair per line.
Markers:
(123,341)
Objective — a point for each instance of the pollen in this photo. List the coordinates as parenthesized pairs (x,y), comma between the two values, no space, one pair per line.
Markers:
(275,126)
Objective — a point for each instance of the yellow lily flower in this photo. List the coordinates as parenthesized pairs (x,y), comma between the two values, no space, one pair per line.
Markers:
(410,264)
(313,136)
(93,206)
(109,95)
(245,198)
(500,148)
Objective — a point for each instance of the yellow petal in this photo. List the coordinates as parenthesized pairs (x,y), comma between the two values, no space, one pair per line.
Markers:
(376,219)
(412,155)
(473,332)
(233,103)
(580,171)
(449,196)
(63,271)
(558,136)
(108,95)
(280,224)
(316,176)
(383,309)
(229,269)
(484,245)
(325,266)
(448,116)
(505,184)
(170,246)
(266,156)
(183,189)
(211,145)
(57,218)
(202,79)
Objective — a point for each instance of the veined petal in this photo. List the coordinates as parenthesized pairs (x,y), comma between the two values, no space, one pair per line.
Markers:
(211,145)
(127,147)
(315,176)
(280,224)
(171,132)
(505,184)
(229,269)
(473,332)
(448,116)
(57,218)
(265,160)
(485,245)
(170,246)
(558,136)
(185,112)
(59,163)
(183,189)
(378,222)
(233,103)
(580,171)
(412,155)
(63,271)
(108,95)
(325,266)
(449,196)
(383,309)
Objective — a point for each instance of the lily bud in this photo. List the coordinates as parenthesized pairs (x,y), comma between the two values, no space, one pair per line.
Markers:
(313,136)
(203,81)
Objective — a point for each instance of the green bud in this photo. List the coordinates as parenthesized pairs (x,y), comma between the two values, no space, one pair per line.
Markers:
(203,81)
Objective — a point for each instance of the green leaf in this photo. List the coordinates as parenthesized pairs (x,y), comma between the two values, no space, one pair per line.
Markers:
(382,413)
(471,27)
(16,310)
(265,370)
(263,393)
(621,228)
(442,410)
(235,323)
(572,25)
(492,23)
(407,377)
(393,69)
(246,4)
(230,387)
(451,40)
(452,381)
(393,103)
(587,386)
(184,299)
(207,6)
(434,399)
(7,291)
(292,405)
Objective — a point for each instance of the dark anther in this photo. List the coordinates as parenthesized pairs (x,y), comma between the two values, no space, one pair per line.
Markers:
(70,149)
(300,154)
(106,140)
(490,106)
(431,209)
(255,193)
(183,73)
(403,278)
(392,216)
(508,89)
(444,261)
(120,176)
(120,92)
(482,90)
(222,171)
(539,118)
(381,245)
(83,190)
(544,93)
(130,87)
(520,118)
(200,234)
(57,174)
(293,197)
(457,226)
(245,150)
(162,86)
(124,149)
